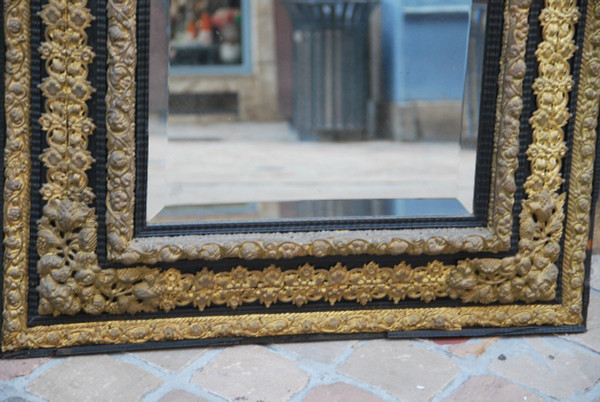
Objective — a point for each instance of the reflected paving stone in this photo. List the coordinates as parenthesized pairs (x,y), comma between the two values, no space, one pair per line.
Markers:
(173,360)
(475,347)
(281,177)
(560,372)
(340,392)
(404,369)
(324,352)
(10,369)
(179,395)
(591,338)
(491,387)
(94,378)
(13,399)
(252,373)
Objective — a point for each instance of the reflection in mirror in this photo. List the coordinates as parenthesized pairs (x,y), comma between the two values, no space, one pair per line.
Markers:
(271,109)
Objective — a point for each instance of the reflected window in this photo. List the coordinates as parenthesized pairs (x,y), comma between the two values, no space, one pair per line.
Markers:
(208,33)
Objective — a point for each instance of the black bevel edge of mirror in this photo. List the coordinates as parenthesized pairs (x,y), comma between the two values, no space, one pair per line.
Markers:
(493,46)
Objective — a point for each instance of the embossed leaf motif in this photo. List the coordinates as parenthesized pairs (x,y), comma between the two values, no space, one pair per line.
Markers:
(146,290)
(171,288)
(66,238)
(58,298)
(48,240)
(71,215)
(273,277)
(338,275)
(52,13)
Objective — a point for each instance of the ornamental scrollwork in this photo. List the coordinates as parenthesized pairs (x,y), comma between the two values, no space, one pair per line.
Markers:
(123,248)
(581,179)
(508,118)
(120,122)
(532,274)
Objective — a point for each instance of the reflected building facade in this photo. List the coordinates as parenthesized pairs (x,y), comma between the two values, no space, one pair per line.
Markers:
(233,60)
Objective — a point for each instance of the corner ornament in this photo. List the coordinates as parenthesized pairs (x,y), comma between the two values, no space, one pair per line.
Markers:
(532,274)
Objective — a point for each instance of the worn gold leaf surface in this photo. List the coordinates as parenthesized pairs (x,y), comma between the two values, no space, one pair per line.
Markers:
(120,123)
(147,290)
(581,179)
(532,274)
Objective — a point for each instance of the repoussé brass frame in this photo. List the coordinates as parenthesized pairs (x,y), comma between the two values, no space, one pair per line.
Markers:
(72,282)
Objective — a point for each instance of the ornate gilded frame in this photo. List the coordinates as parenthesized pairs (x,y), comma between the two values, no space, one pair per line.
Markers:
(135,296)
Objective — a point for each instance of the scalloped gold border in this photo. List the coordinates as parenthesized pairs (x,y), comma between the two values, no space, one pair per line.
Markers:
(15,334)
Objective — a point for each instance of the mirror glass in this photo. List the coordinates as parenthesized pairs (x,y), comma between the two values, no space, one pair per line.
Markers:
(288,109)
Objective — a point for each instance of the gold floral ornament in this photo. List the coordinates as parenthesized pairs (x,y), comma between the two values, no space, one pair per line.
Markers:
(581,181)
(68,229)
(532,274)
(120,121)
(148,290)
(17,167)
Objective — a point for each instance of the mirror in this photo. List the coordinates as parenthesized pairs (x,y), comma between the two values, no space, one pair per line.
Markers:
(292,203)
(294,109)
